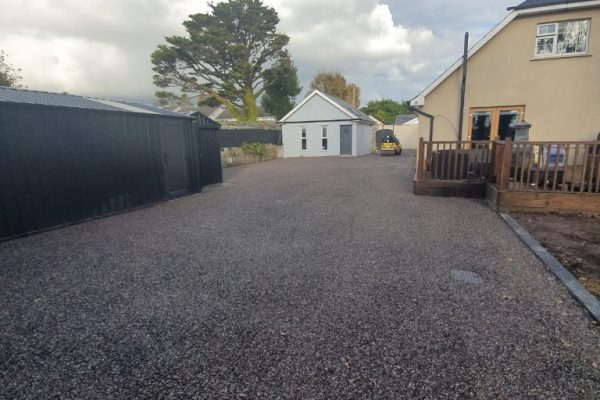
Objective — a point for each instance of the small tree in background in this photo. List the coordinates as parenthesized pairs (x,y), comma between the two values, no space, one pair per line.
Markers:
(386,110)
(335,84)
(9,75)
(281,86)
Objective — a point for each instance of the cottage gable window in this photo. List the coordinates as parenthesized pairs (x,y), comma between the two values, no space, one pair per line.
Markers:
(324,138)
(562,38)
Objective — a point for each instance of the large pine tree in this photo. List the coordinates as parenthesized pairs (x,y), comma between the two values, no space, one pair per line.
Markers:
(228,52)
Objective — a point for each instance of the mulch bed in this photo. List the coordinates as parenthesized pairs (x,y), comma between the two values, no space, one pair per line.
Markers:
(573,239)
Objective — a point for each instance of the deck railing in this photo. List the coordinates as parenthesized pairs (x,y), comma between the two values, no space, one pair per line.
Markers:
(455,161)
(555,166)
(571,167)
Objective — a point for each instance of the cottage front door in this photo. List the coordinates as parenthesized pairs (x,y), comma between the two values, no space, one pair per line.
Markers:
(346,140)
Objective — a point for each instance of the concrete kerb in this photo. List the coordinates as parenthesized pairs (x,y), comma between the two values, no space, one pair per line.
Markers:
(589,301)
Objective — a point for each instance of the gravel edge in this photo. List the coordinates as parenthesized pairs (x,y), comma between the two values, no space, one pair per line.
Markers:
(587,300)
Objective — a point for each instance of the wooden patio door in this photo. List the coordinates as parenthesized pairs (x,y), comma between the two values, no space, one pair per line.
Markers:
(491,123)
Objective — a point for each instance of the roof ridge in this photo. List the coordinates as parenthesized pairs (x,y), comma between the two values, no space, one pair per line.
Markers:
(355,110)
(39,97)
(527,4)
(40,91)
(92,98)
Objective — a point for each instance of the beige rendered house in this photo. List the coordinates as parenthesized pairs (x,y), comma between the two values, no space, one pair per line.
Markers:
(540,64)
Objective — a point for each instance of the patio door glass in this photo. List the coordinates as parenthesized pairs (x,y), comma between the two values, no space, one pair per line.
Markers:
(481,126)
(491,123)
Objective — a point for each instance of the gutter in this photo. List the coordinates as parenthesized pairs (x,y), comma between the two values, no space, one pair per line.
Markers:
(426,115)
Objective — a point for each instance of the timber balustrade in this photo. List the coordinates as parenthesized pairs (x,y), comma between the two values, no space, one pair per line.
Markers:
(455,161)
(567,167)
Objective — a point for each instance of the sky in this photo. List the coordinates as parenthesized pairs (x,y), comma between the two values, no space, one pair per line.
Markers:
(391,48)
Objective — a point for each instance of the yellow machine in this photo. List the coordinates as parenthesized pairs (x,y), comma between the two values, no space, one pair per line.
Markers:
(390,146)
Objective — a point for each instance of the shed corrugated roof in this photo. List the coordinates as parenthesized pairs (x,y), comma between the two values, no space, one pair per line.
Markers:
(152,109)
(542,3)
(25,96)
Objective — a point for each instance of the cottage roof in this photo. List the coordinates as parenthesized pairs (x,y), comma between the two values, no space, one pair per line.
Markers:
(351,109)
(340,104)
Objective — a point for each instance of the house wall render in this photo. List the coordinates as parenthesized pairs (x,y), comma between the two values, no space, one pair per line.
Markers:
(561,95)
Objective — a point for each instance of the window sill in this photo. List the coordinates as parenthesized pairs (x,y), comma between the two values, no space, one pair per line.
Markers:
(555,57)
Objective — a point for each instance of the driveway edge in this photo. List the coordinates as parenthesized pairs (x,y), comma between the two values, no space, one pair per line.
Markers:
(589,301)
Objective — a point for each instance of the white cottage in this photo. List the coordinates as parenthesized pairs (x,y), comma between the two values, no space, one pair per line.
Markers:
(325,125)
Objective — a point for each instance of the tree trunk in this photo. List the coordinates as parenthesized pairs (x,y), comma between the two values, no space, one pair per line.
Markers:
(249,102)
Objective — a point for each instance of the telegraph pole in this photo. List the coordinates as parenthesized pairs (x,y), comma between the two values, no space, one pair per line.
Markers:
(463,87)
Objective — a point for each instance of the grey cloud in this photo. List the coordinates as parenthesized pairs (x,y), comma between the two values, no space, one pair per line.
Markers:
(102,48)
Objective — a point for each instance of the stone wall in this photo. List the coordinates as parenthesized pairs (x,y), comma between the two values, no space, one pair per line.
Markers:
(231,156)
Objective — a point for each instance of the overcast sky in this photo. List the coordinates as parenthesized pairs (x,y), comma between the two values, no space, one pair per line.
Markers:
(390,48)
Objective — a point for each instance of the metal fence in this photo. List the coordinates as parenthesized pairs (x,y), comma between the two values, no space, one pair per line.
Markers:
(237,137)
(209,149)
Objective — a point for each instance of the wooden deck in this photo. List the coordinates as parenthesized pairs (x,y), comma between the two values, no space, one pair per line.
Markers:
(538,176)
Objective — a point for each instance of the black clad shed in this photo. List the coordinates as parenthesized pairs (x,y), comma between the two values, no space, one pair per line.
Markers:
(66,158)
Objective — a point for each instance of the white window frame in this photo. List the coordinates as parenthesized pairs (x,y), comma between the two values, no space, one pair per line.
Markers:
(554,36)
(303,139)
(324,136)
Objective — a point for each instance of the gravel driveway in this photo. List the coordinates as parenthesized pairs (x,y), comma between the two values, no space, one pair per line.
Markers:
(302,278)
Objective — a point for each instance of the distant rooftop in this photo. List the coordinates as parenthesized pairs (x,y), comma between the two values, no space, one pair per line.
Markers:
(25,96)
(226,114)
(404,118)
(542,3)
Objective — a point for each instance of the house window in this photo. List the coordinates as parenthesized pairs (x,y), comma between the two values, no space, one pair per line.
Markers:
(562,38)
(324,138)
(303,138)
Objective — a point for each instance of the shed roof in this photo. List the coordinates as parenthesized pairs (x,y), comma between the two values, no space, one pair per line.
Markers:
(342,105)
(204,121)
(25,96)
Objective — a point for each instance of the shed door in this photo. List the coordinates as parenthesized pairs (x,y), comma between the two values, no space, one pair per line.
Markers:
(174,155)
(346,140)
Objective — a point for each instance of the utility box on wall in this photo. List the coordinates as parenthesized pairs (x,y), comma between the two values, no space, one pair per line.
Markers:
(521,131)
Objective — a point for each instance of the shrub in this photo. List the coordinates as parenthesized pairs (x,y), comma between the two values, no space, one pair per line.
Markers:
(257,149)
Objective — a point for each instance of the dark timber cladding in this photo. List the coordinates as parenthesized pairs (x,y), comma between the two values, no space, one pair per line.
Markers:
(207,130)
(61,164)
(237,137)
